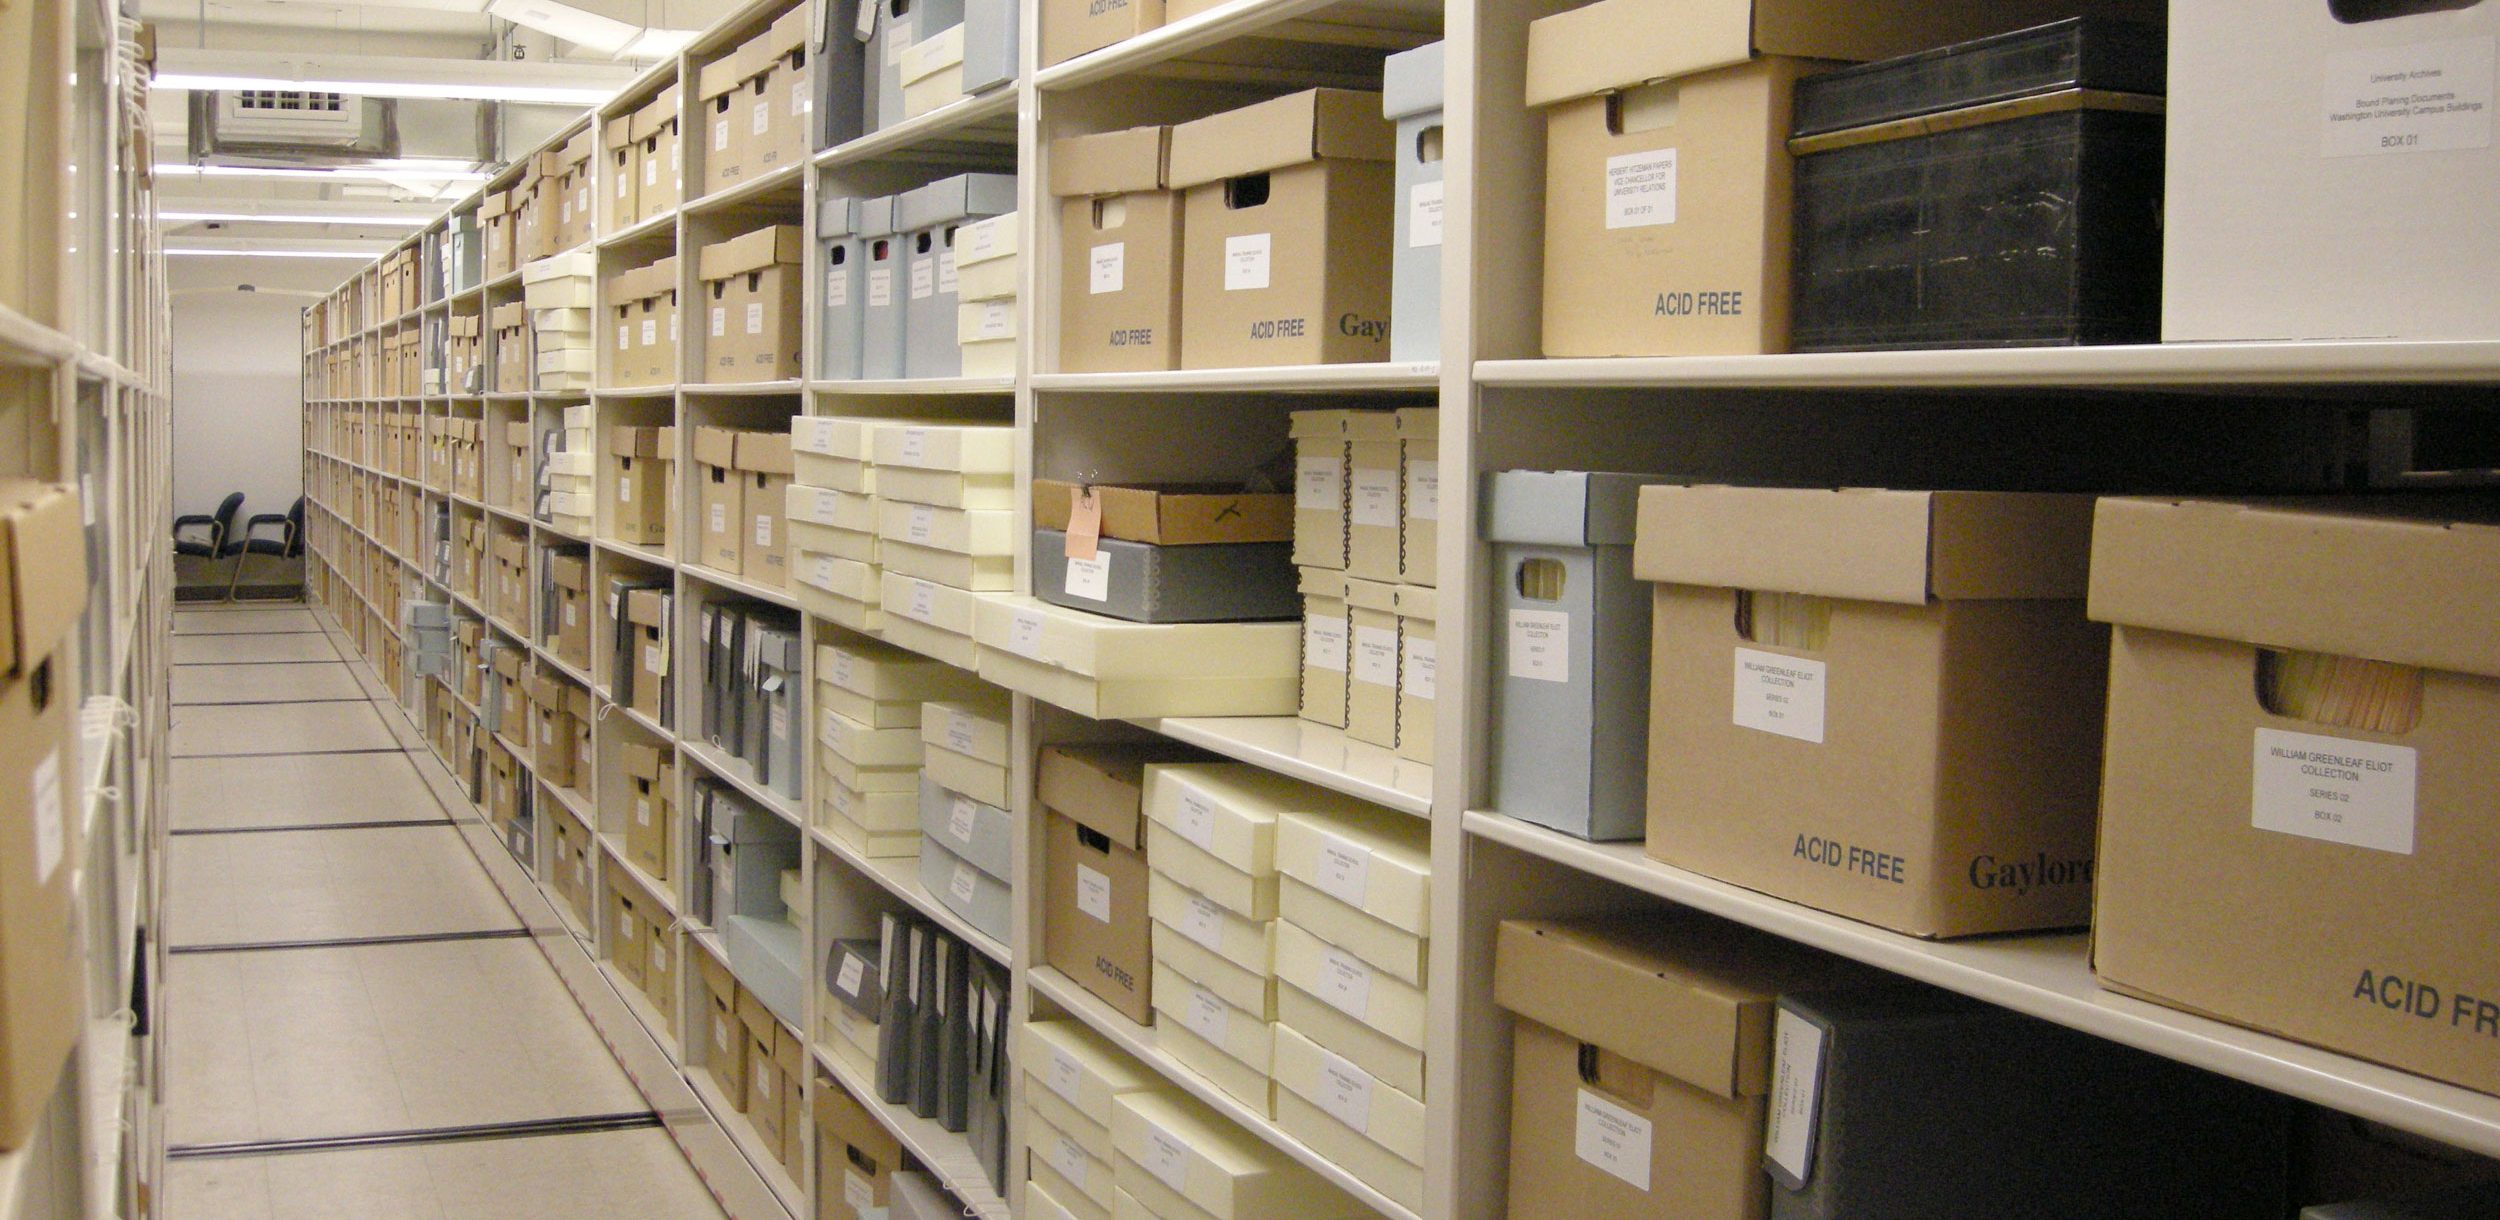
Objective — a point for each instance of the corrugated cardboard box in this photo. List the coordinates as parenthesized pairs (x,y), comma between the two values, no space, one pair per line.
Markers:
(1284,248)
(1119,254)
(722,499)
(659,156)
(764,478)
(752,298)
(43,584)
(721,121)
(1072,27)
(2305,860)
(639,472)
(1169,514)
(618,207)
(856,1156)
(1095,927)
(1916,742)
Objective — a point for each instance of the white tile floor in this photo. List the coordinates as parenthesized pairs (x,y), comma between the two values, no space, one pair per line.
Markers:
(360,1039)
(244,620)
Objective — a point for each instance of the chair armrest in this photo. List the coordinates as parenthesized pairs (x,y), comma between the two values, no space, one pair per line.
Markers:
(260,519)
(187,520)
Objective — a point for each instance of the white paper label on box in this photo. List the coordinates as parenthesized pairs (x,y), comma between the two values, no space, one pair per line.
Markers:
(1376,656)
(755,318)
(923,278)
(997,321)
(51,825)
(1245,262)
(1375,499)
(881,288)
(837,288)
(1319,482)
(1323,643)
(1090,578)
(720,321)
(1204,922)
(858,1193)
(959,820)
(1167,1158)
(1423,490)
(1540,645)
(1343,869)
(820,572)
(624,336)
(923,602)
(1640,189)
(720,519)
(854,972)
(1110,267)
(2426,97)
(959,730)
(921,520)
(1417,678)
(1024,635)
(1093,893)
(572,615)
(650,331)
(762,121)
(1796,1093)
(2357,793)
(642,811)
(1779,694)
(960,885)
(1613,1139)
(650,175)
(1196,820)
(845,667)
(777,722)
(1423,215)
(1206,1015)
(763,531)
(651,658)
(720,136)
(1068,1157)
(898,39)
(624,495)
(1064,1079)
(624,181)
(946,272)
(1345,982)
(658,961)
(1345,1091)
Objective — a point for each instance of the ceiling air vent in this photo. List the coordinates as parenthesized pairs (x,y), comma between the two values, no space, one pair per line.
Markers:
(290,117)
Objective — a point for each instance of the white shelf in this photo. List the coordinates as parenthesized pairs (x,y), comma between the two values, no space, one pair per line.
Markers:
(662,225)
(1380,377)
(740,585)
(966,130)
(918,385)
(2048,977)
(742,777)
(942,1152)
(1311,752)
(668,390)
(1139,1042)
(614,854)
(641,554)
(901,876)
(769,190)
(735,389)
(1387,25)
(743,1137)
(2139,366)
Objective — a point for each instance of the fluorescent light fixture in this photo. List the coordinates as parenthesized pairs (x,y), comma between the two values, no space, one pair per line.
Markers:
(381,171)
(481,80)
(346,255)
(658,44)
(395,222)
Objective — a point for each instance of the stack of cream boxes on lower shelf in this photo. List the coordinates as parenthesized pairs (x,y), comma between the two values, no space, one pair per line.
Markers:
(832,509)
(1366,508)
(945,531)
(968,839)
(869,697)
(987,269)
(565,473)
(558,293)
(1111,1139)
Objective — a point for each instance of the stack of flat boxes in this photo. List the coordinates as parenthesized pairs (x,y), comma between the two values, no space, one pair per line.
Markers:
(987,269)
(869,697)
(558,293)
(1175,1159)
(832,510)
(968,838)
(1072,1077)
(945,519)
(1366,512)
(1211,898)
(565,496)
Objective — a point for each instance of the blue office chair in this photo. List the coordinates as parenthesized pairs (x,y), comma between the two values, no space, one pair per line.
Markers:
(221,545)
(287,548)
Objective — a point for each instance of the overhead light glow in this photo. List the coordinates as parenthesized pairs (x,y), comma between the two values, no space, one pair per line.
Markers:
(395,222)
(552,95)
(387,171)
(345,255)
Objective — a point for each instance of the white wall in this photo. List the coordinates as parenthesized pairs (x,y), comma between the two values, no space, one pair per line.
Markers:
(238,405)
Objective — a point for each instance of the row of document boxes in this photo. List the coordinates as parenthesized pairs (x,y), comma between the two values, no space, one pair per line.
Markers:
(927,1017)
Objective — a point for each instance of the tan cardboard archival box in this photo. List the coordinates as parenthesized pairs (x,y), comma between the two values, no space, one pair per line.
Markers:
(1934,766)
(43,583)
(1641,1062)
(1094,918)
(721,498)
(1285,240)
(1072,27)
(1119,252)
(856,1156)
(763,538)
(2322,881)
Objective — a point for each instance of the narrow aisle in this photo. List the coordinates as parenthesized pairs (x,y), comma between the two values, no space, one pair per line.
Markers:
(356,1021)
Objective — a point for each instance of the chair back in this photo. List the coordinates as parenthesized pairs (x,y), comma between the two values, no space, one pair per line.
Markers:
(295,530)
(226,513)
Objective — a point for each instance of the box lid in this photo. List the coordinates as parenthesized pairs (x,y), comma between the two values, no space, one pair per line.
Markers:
(2410,580)
(750,251)
(1419,423)
(641,761)
(626,440)
(956,198)
(1172,514)
(1421,602)
(1687,994)
(716,446)
(841,1118)
(1615,44)
(784,37)
(1563,507)
(764,452)
(837,217)
(2101,54)
(1327,584)
(1111,162)
(577,151)
(1410,82)
(933,54)
(1867,544)
(1103,788)
(493,204)
(568,570)
(985,240)
(655,117)
(1312,125)
(720,76)
(1321,424)
(617,133)
(875,217)
(647,607)
(43,568)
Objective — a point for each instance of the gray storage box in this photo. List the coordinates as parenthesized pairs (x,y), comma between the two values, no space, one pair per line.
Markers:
(982,835)
(837,64)
(769,960)
(928,217)
(882,289)
(1410,95)
(846,254)
(855,962)
(773,727)
(897,25)
(1211,583)
(749,848)
(989,44)
(1570,651)
(1908,1101)
(984,901)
